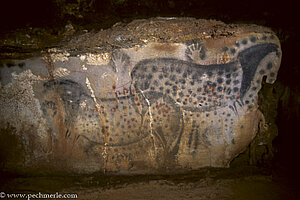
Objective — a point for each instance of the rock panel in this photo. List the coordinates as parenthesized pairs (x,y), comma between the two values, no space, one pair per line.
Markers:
(146,105)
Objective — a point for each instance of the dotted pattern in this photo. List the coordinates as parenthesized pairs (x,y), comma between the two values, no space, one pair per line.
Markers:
(194,87)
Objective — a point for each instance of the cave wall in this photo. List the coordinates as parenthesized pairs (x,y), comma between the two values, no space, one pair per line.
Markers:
(162,94)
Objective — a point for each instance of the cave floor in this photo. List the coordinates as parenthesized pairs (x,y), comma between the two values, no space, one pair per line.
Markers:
(243,183)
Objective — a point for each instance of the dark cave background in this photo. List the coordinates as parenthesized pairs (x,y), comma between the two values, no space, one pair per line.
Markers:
(51,16)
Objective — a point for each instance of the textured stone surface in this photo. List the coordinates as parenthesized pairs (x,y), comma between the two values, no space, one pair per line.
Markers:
(153,95)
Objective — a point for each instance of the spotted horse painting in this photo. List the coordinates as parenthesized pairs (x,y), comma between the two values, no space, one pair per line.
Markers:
(182,102)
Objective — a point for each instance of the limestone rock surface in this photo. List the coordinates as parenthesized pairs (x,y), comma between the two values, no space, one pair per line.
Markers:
(164,94)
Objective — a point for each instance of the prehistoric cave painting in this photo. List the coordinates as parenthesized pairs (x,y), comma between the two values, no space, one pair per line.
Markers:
(195,51)
(165,98)
(206,87)
(70,94)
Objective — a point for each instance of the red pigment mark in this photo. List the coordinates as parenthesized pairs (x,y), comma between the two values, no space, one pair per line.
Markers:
(157,106)
(132,90)
(116,93)
(136,99)
(201,101)
(187,95)
(113,87)
(185,99)
(195,102)
(217,96)
(113,110)
(124,119)
(237,97)
(205,89)
(227,97)
(138,104)
(132,119)
(129,126)
(214,89)
(209,95)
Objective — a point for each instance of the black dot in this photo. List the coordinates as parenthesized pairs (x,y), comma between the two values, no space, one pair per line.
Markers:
(190,91)
(246,102)
(209,74)
(220,73)
(178,70)
(220,80)
(228,81)
(272,74)
(244,41)
(269,66)
(172,68)
(182,81)
(254,88)
(207,115)
(199,98)
(214,84)
(184,75)
(160,76)
(235,89)
(232,50)
(184,103)
(174,88)
(272,37)
(237,44)
(192,82)
(154,69)
(264,37)
(161,88)
(152,88)
(189,71)
(181,94)
(149,76)
(173,78)
(199,89)
(235,82)
(220,89)
(262,72)
(168,91)
(253,39)
(225,48)
(178,100)
(257,81)
(228,75)
(235,75)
